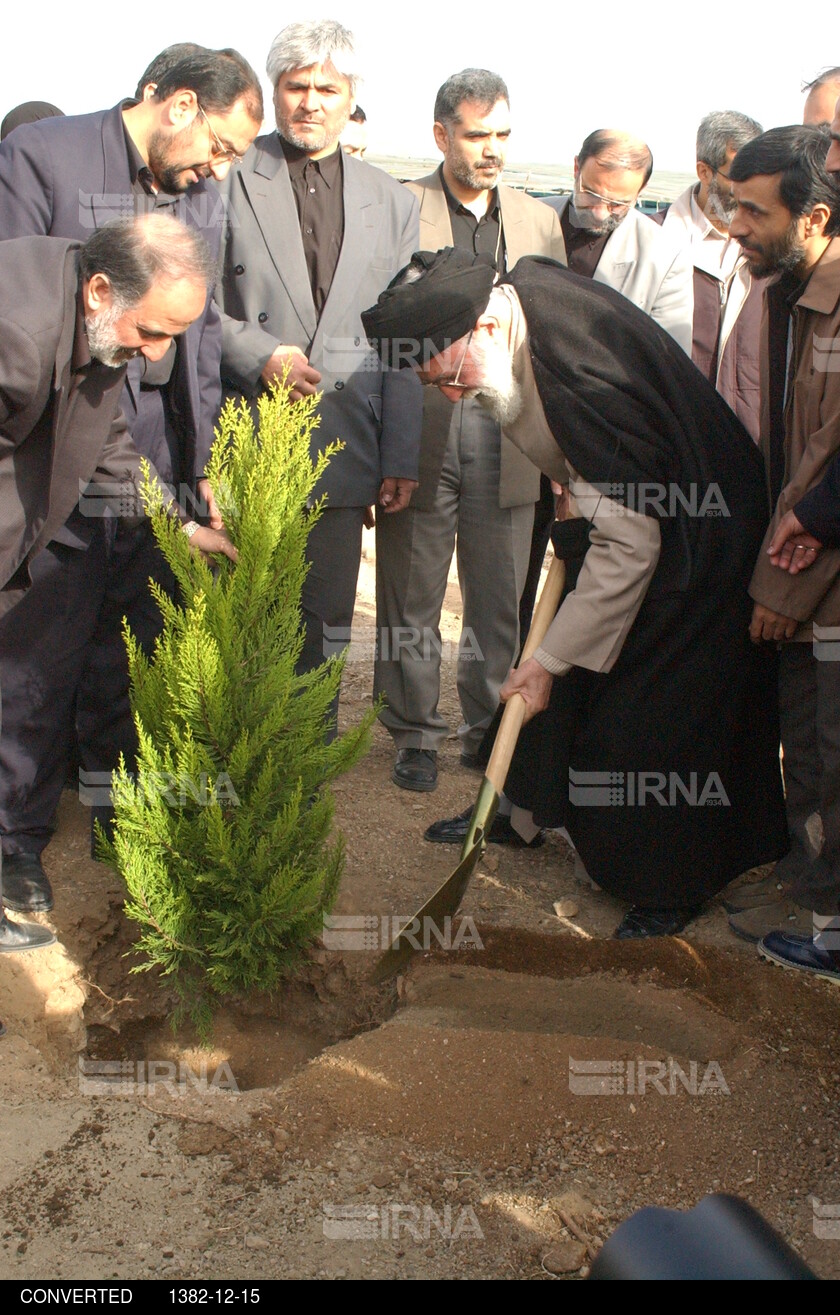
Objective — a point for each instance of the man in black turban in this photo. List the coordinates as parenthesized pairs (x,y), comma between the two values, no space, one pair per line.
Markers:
(653,731)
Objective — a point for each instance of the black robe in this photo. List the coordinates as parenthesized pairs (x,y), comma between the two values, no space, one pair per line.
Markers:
(665,770)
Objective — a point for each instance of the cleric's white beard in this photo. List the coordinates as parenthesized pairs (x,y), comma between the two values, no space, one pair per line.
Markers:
(503,398)
(501,394)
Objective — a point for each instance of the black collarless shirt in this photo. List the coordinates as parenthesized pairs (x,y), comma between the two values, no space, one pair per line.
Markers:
(318,189)
(583,247)
(479,235)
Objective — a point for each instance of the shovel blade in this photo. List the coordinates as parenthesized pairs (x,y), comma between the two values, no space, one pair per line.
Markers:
(443,904)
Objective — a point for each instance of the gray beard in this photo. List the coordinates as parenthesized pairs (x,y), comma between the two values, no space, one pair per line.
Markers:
(722,206)
(310,144)
(103,344)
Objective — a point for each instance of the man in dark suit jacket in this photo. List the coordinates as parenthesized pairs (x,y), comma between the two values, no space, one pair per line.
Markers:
(61,652)
(70,319)
(312,236)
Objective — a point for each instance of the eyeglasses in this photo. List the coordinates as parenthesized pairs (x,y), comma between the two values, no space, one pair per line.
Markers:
(456,382)
(441,382)
(223,154)
(614,206)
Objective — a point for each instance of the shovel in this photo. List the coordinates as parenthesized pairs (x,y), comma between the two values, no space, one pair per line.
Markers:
(447,898)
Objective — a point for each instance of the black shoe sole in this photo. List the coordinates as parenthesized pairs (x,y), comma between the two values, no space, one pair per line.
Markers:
(422,787)
(23,949)
(825,976)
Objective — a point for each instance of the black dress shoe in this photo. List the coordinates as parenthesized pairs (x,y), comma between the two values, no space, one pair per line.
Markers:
(638,923)
(416,769)
(16,936)
(453,831)
(790,950)
(26,886)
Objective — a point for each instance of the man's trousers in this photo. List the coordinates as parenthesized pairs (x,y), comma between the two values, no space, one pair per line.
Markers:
(413,556)
(65,673)
(809,708)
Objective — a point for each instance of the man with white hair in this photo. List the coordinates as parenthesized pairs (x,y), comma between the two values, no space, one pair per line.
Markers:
(313,236)
(727,299)
(657,747)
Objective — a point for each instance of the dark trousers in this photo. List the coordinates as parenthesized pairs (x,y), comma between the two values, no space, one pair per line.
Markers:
(540,539)
(64,673)
(809,707)
(334,551)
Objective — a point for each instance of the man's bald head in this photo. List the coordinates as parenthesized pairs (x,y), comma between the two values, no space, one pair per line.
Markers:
(615,150)
(611,169)
(144,280)
(822,97)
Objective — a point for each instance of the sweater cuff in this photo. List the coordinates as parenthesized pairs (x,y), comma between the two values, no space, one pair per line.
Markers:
(555,665)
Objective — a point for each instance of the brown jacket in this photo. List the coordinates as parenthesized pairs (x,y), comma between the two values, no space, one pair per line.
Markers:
(530,229)
(812,437)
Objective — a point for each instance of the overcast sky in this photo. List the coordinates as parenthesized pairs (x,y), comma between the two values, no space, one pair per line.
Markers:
(649,67)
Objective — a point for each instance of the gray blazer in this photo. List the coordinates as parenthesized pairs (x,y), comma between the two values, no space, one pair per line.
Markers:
(49,450)
(529,230)
(266,300)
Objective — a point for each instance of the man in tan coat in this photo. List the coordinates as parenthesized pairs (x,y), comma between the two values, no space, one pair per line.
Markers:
(475,487)
(787,222)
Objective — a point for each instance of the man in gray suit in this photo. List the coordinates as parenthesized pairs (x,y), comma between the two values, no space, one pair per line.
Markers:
(474,485)
(71,318)
(313,236)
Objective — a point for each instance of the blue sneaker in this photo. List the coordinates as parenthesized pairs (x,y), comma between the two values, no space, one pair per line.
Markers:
(790,950)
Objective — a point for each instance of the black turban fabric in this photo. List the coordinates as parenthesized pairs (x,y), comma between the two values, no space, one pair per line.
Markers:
(414,321)
(31,111)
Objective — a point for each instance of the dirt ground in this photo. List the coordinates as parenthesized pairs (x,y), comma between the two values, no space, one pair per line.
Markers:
(495,1112)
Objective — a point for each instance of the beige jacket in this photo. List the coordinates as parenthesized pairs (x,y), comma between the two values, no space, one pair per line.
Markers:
(530,229)
(595,618)
(812,437)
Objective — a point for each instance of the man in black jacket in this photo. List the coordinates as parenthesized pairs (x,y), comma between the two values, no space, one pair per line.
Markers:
(63,664)
(71,318)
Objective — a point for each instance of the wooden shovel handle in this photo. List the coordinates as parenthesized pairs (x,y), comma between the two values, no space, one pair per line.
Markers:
(514,713)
